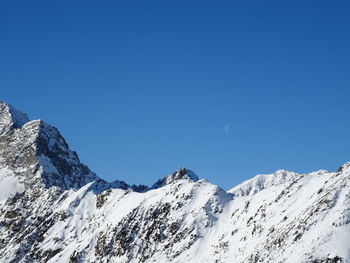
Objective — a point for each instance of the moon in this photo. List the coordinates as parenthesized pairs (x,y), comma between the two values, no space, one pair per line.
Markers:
(227,128)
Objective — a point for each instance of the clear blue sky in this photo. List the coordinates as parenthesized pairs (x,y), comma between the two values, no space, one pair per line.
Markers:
(228,89)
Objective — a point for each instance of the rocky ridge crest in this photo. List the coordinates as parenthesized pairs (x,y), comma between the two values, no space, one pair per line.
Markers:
(54,209)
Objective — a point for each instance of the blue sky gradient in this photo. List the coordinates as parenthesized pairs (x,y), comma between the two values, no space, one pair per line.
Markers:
(228,89)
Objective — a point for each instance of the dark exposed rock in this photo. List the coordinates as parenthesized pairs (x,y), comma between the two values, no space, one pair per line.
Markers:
(335,259)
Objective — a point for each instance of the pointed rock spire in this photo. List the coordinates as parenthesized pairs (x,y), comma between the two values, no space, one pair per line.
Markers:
(37,153)
(10,118)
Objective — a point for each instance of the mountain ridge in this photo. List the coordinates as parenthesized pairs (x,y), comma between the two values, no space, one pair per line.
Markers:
(54,209)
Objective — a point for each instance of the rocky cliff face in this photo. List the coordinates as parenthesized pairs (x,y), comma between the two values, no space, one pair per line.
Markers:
(54,209)
(37,153)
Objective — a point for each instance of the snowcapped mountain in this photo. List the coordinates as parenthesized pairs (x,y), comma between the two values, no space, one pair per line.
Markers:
(54,209)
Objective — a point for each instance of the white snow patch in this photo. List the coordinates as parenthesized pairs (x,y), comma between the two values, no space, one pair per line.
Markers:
(8,185)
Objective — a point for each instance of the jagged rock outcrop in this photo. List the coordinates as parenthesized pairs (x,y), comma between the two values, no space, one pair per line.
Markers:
(54,209)
(37,153)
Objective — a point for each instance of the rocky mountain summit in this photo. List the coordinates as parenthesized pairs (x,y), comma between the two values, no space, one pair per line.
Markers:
(54,209)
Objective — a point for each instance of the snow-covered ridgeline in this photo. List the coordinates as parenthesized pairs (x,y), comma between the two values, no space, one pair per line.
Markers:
(54,209)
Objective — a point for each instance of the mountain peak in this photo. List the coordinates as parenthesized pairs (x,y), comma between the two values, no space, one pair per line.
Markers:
(344,167)
(184,173)
(180,174)
(263,181)
(37,153)
(11,118)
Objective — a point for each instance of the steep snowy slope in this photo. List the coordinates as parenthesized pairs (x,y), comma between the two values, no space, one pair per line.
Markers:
(54,209)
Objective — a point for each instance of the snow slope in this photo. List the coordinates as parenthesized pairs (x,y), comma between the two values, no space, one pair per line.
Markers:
(9,185)
(54,209)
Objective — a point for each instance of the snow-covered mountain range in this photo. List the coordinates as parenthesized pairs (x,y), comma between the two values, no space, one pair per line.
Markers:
(54,209)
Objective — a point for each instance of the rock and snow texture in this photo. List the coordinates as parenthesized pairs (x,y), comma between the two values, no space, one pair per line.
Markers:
(54,209)
(10,117)
(9,185)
